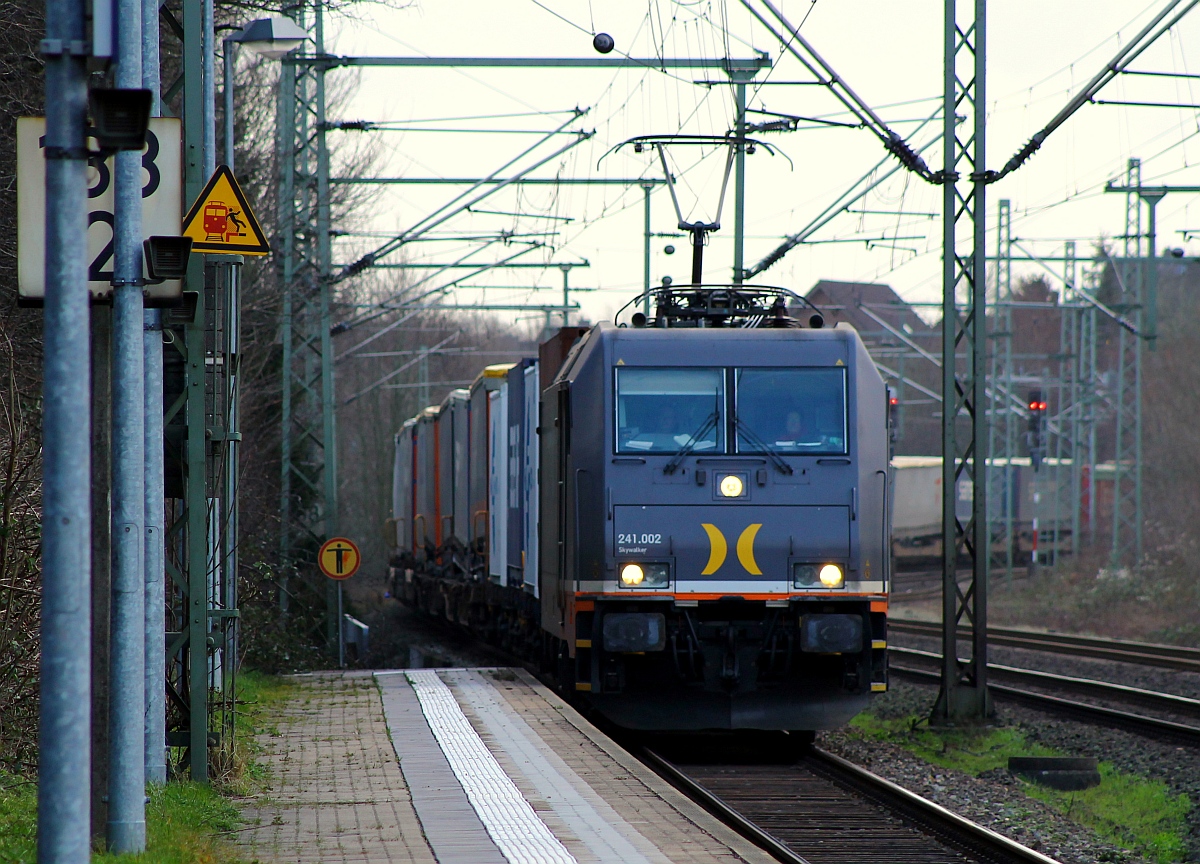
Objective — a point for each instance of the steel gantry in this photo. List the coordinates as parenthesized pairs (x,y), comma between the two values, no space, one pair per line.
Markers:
(191,349)
(308,496)
(308,481)
(964,693)
(1137,277)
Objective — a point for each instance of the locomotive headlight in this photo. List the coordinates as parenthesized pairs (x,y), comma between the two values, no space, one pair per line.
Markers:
(632,574)
(831,576)
(647,574)
(732,486)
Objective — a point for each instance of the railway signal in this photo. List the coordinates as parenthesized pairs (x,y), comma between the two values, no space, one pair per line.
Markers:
(1036,436)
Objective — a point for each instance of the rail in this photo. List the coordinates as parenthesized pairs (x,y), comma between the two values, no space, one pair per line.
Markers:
(1098,648)
(1140,723)
(940,826)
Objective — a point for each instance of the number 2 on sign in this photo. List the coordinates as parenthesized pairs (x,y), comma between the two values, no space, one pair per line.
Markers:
(96,271)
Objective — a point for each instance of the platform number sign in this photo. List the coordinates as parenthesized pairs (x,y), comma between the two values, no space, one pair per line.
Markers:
(339,558)
(162,205)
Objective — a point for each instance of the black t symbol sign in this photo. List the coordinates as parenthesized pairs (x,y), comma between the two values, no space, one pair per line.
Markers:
(339,551)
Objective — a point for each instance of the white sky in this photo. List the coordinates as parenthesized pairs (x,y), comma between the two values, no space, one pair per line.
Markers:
(889,52)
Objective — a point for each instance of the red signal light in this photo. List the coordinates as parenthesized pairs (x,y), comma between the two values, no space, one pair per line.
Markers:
(893,401)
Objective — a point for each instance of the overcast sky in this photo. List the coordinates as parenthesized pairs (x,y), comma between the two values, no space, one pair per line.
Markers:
(889,52)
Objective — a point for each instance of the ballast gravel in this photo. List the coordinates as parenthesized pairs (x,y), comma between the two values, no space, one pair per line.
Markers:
(996,799)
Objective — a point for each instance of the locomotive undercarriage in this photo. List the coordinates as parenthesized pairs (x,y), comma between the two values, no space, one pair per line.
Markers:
(732,664)
(728,664)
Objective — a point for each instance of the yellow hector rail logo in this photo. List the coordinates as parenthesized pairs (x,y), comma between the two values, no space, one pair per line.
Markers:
(221,221)
(339,558)
(718,549)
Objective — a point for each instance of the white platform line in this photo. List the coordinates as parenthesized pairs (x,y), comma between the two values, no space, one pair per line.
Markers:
(514,827)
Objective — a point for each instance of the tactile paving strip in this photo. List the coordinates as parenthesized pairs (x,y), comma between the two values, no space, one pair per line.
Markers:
(510,821)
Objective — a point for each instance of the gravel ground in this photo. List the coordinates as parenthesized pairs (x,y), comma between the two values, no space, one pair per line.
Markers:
(996,799)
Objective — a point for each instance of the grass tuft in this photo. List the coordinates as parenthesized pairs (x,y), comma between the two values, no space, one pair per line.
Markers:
(184,825)
(1132,812)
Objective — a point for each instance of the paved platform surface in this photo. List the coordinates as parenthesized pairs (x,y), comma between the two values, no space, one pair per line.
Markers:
(465,766)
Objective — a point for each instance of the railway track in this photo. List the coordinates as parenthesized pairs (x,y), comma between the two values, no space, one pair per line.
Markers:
(1141,723)
(1125,651)
(826,810)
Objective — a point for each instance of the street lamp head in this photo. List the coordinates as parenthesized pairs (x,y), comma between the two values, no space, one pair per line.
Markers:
(271,37)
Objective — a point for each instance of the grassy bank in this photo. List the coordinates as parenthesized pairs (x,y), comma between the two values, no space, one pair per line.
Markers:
(1138,814)
(185,823)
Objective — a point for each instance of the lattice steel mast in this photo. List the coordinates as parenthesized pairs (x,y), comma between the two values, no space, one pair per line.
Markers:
(964,694)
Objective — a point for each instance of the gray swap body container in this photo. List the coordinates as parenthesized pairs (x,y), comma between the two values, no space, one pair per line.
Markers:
(452,455)
(518,473)
(479,464)
(403,489)
(425,482)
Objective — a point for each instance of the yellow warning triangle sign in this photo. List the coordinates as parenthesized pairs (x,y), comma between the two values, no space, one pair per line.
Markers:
(221,220)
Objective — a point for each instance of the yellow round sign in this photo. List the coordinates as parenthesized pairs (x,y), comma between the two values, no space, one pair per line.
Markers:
(339,558)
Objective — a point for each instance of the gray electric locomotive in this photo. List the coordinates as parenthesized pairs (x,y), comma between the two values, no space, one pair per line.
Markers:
(712,520)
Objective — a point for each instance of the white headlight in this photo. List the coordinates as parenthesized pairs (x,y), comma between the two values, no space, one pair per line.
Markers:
(831,576)
(632,574)
(731,486)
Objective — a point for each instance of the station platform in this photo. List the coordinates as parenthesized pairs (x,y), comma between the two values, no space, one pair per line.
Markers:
(465,766)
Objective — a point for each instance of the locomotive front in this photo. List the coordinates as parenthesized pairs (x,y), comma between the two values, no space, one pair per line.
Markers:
(714,525)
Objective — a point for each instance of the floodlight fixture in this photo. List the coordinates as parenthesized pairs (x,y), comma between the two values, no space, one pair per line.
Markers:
(271,37)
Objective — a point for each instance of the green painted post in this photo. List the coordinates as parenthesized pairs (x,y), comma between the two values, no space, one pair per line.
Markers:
(196,502)
(964,695)
(325,286)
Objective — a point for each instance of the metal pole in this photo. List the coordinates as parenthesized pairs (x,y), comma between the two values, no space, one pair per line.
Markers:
(194,545)
(155,552)
(646,190)
(341,630)
(126,823)
(566,314)
(155,515)
(285,138)
(977,364)
(64,728)
(209,77)
(229,44)
(325,286)
(964,695)
(739,182)
(950,673)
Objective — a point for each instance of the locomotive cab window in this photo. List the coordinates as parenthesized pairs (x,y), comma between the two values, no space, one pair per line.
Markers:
(666,410)
(791,410)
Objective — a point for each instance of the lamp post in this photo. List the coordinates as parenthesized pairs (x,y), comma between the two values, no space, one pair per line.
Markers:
(271,38)
(268,37)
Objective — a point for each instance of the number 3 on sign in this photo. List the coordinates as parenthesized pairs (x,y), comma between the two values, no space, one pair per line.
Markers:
(162,205)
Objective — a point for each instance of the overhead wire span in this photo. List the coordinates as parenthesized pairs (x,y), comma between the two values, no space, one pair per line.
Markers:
(1083,295)
(449,210)
(826,75)
(838,206)
(1116,66)
(389,305)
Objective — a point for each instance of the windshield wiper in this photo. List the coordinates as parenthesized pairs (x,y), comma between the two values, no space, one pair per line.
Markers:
(762,445)
(677,460)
